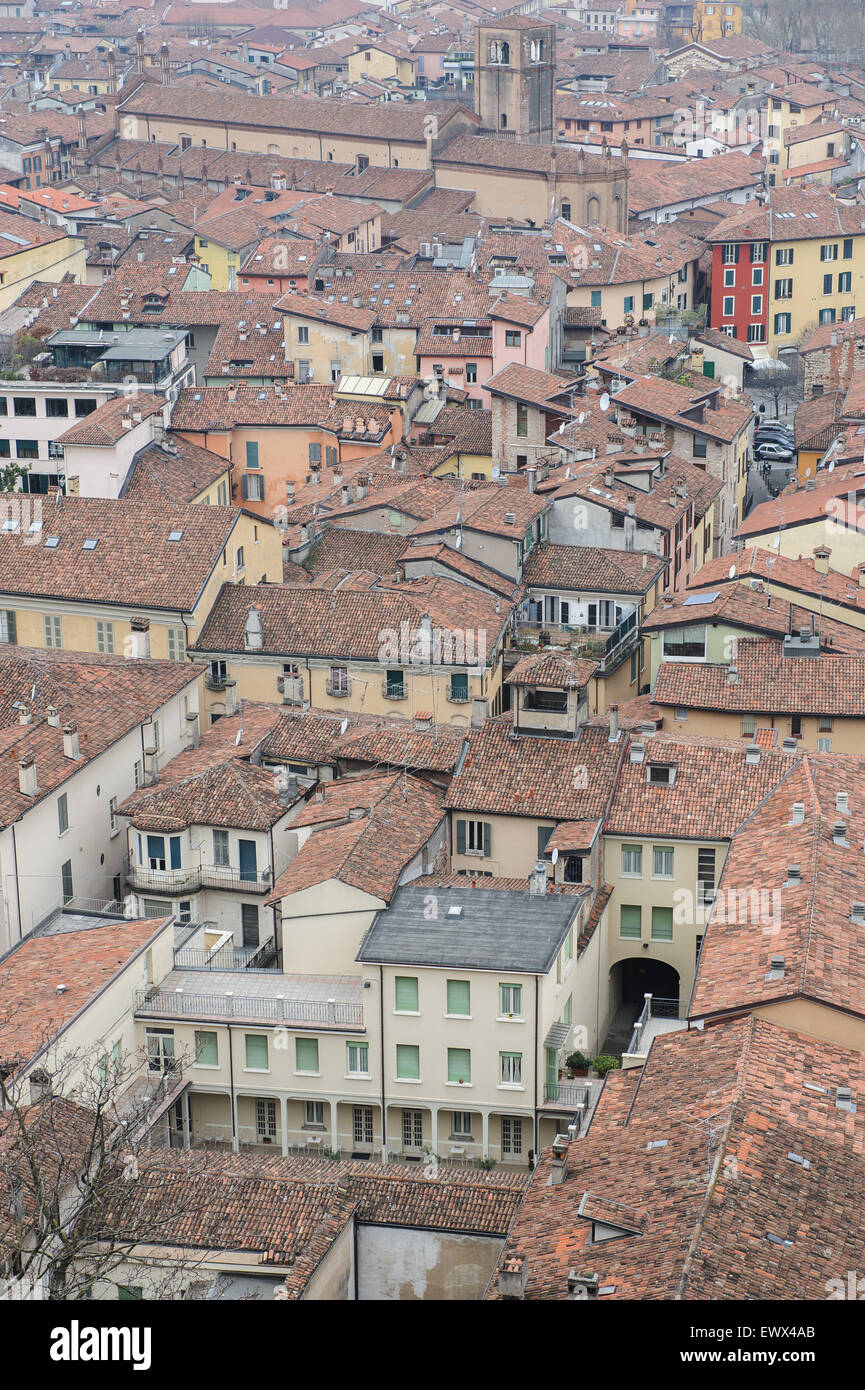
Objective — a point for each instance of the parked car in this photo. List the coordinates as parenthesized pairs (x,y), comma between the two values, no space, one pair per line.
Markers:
(773,437)
(777,453)
(774,429)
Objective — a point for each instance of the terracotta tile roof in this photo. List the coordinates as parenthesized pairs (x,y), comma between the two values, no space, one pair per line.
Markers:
(816,420)
(340,548)
(753,610)
(103,696)
(104,426)
(713,337)
(790,214)
(593,568)
(654,184)
(488,152)
(746,1089)
(714,788)
(529,384)
(782,571)
(671,403)
(768,683)
(349,625)
(83,961)
(404,747)
(534,776)
(134,562)
(553,670)
(179,473)
(469,431)
(232,793)
(824,336)
(810,921)
(201,409)
(368,852)
(570,836)
(445,557)
(486,508)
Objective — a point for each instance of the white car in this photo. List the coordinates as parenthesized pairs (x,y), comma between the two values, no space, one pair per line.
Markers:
(778,452)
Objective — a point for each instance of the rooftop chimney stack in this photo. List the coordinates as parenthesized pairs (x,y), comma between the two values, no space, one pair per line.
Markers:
(27,775)
(513,1276)
(559,1164)
(71,747)
(538,880)
(140,638)
(582,1287)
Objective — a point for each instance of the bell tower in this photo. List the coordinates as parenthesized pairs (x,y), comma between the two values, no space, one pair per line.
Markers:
(515,78)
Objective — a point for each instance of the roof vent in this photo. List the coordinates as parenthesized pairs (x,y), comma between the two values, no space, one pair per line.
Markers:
(842,802)
(582,1286)
(638,752)
(794,874)
(776,968)
(798,813)
(789,745)
(844,1099)
(513,1276)
(801,644)
(752,754)
(839,833)
(733,675)
(510,519)
(857,914)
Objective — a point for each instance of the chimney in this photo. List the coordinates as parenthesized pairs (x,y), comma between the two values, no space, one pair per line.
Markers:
(40,1085)
(253,633)
(632,505)
(70,741)
(613,711)
(839,833)
(27,775)
(798,813)
(53,716)
(559,1164)
(582,1286)
(192,730)
(638,752)
(362,486)
(231,701)
(287,788)
(513,1275)
(479,713)
(532,477)
(842,802)
(25,715)
(347,495)
(140,638)
(538,880)
(732,675)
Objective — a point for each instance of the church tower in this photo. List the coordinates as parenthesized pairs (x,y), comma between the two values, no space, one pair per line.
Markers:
(515,78)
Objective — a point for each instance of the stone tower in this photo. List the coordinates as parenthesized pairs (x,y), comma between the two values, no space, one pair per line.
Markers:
(515,78)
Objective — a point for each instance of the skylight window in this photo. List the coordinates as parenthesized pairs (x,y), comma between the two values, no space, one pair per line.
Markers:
(52,542)
(90,544)
(10,524)
(175,535)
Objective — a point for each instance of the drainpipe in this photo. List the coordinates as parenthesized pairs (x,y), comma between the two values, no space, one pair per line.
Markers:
(536,1135)
(231,1083)
(381,1037)
(17,882)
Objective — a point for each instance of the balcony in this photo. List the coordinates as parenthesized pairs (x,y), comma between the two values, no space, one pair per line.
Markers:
(458,695)
(216,682)
(339,692)
(316,1001)
(391,691)
(180,882)
(658,1016)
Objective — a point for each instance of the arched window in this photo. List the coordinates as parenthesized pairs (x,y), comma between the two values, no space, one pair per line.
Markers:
(566,210)
(536,50)
(500,51)
(593,210)
(503,121)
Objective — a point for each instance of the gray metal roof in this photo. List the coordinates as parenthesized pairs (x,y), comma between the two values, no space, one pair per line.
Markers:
(495,929)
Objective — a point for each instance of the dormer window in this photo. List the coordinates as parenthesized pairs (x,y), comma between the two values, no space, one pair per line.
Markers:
(661,774)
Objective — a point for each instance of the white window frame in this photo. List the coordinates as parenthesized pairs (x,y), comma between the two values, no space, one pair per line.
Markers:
(636,851)
(663,855)
(511,1070)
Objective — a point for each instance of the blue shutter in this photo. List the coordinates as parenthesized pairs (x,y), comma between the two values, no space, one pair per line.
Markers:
(461,837)
(174,847)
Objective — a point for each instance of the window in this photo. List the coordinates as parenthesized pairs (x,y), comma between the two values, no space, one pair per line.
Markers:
(512,1135)
(459,687)
(685,642)
(8,626)
(313,1114)
(251,453)
(105,637)
(407,1062)
(129,1293)
(55,407)
(845,282)
(338,680)
(662,861)
(412,1128)
(729,253)
(206,1049)
(648,300)
(306,1054)
(459,997)
(784,255)
(757,275)
(84,407)
(522,420)
(629,303)
(24,405)
(824,745)
(461,1124)
(249,924)
(783,324)
(362,1124)
(511,1001)
(705,876)
(630,921)
(829,251)
(513,337)
(256,1052)
(252,487)
(632,861)
(756,304)
(795,725)
(826,316)
(176,643)
(405,994)
(848,248)
(824,724)
(471,373)
(511,1068)
(265,1120)
(220,848)
(729,283)
(238,559)
(662,924)
(544,833)
(62,814)
(477,838)
(459,1065)
(160,1050)
(357,1059)
(827,283)
(749,725)
(53,627)
(303,333)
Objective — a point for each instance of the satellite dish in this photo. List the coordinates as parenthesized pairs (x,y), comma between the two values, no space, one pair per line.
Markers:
(808,471)
(555,856)
(831,466)
(605,401)
(568,471)
(495,471)
(581,417)
(343,726)
(776,541)
(731,573)
(239,739)
(458,542)
(672,337)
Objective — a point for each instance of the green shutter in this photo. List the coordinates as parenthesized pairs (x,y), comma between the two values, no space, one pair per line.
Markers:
(256,1051)
(544,833)
(408,1062)
(630,922)
(251,454)
(487,840)
(459,997)
(662,924)
(207,1049)
(459,1064)
(405,994)
(306,1054)
(461,837)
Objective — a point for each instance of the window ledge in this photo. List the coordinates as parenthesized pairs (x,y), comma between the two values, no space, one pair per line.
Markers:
(463,1085)
(259,1071)
(408,1080)
(307,1073)
(469,1017)
(510,1018)
(356,1076)
(628,875)
(406,1013)
(509,1086)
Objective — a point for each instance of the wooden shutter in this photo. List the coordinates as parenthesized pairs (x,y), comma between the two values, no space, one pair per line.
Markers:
(461,837)
(487,840)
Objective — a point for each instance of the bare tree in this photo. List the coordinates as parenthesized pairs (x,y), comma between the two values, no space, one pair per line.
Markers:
(70,1215)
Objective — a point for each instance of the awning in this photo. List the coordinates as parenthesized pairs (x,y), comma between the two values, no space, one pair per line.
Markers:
(557,1036)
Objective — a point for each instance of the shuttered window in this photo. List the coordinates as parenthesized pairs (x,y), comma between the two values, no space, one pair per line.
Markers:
(459,1064)
(405,994)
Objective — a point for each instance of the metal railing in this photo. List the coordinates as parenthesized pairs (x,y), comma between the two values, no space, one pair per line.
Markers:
(568,1096)
(392,691)
(177,881)
(341,692)
(179,1004)
(223,958)
(653,1007)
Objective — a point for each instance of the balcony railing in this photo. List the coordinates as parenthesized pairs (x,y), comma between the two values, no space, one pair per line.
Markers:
(175,882)
(341,692)
(568,1096)
(392,691)
(160,1003)
(224,958)
(215,682)
(458,696)
(654,1008)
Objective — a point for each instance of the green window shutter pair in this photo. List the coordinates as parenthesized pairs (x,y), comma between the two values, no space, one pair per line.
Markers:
(459,1064)
(306,1054)
(256,1051)
(405,994)
(206,1049)
(662,924)
(630,922)
(408,1062)
(459,997)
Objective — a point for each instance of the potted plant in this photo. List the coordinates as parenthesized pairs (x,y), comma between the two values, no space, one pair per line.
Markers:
(577,1064)
(604,1063)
